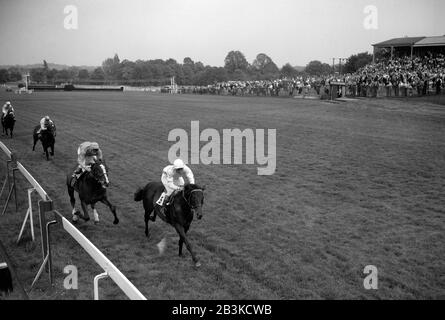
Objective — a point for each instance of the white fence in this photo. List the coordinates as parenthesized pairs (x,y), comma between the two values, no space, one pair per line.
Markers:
(45,206)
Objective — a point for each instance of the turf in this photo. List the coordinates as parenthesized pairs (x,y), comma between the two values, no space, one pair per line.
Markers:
(357,183)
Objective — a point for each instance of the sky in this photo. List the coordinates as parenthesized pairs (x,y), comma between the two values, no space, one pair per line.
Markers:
(289,31)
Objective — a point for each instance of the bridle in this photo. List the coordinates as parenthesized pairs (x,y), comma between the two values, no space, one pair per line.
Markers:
(190,196)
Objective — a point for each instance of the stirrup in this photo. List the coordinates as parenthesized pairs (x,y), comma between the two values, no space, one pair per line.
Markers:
(161,199)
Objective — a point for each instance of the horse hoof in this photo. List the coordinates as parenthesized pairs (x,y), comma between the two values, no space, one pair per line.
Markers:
(197,264)
(116,221)
(96,222)
(86,219)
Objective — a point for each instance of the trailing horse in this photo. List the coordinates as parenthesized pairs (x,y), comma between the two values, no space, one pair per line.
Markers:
(8,123)
(92,188)
(184,205)
(47,137)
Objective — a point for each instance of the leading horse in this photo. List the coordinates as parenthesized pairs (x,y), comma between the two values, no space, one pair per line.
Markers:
(92,188)
(8,122)
(47,137)
(184,205)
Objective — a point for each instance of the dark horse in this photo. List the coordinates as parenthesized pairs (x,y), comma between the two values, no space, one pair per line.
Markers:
(8,122)
(184,205)
(92,188)
(47,137)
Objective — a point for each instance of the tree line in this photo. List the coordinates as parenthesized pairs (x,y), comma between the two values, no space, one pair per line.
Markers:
(158,72)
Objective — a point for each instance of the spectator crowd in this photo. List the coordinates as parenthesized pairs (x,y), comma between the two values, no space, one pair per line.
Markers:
(396,77)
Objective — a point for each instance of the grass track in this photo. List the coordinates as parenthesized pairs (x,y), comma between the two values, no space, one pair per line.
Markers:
(357,183)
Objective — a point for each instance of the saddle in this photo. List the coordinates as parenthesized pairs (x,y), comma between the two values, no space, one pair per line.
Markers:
(167,206)
(75,177)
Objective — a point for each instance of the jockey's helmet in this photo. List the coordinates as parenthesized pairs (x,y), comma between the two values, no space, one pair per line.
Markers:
(178,164)
(8,103)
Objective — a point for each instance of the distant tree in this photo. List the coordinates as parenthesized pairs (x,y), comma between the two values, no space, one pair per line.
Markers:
(357,61)
(199,66)
(188,61)
(211,75)
(239,75)
(235,60)
(45,71)
(14,74)
(288,71)
(4,76)
(63,75)
(83,74)
(98,74)
(51,75)
(128,70)
(264,65)
(317,68)
(37,75)
(189,73)
(112,68)
(171,62)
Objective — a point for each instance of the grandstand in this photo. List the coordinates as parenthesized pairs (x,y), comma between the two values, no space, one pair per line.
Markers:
(412,46)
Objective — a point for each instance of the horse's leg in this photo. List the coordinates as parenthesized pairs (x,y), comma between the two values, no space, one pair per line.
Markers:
(147,213)
(112,208)
(181,242)
(52,149)
(75,212)
(181,232)
(85,217)
(95,214)
(35,141)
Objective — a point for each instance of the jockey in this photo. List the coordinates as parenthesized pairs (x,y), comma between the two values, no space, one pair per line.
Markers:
(7,107)
(174,178)
(87,154)
(45,123)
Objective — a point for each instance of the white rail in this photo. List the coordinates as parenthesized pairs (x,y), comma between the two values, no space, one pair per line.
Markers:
(110,269)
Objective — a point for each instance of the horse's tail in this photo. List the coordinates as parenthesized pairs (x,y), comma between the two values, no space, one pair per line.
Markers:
(139,194)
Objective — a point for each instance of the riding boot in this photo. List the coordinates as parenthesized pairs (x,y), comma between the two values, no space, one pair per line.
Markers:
(163,207)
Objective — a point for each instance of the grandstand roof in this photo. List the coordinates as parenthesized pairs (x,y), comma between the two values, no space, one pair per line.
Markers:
(431,42)
(399,42)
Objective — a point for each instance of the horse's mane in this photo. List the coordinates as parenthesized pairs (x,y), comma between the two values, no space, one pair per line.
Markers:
(190,187)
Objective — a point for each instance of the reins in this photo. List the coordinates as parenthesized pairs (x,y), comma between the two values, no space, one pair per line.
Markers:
(190,195)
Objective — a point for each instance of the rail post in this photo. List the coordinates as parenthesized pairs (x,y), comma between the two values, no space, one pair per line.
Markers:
(44,207)
(12,188)
(96,284)
(28,214)
(47,260)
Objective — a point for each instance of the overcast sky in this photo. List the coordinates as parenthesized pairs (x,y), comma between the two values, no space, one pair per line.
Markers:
(206,30)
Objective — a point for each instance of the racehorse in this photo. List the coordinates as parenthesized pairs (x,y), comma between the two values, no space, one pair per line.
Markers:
(184,205)
(92,188)
(47,137)
(8,122)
